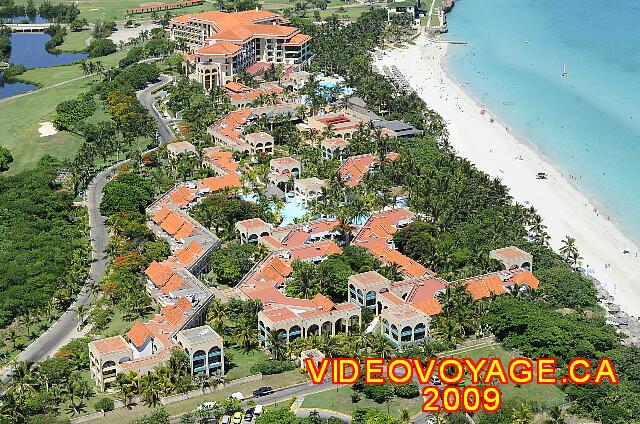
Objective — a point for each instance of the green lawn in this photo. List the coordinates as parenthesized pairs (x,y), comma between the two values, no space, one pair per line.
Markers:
(94,10)
(124,415)
(339,399)
(20,119)
(48,76)
(350,13)
(540,394)
(243,362)
(75,41)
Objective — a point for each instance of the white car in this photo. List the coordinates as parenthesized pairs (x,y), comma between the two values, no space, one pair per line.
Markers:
(206,405)
(258,410)
(237,395)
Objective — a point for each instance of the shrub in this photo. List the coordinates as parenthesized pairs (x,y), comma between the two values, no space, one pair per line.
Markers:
(104,404)
(407,391)
(378,393)
(101,47)
(355,397)
(269,367)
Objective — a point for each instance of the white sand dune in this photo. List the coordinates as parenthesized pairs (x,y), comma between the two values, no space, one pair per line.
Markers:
(46,129)
(566,210)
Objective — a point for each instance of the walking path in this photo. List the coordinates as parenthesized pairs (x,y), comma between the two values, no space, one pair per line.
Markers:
(39,90)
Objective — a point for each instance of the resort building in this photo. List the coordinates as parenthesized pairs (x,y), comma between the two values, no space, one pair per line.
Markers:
(250,230)
(308,190)
(400,7)
(224,43)
(220,161)
(355,168)
(406,308)
(334,148)
(174,288)
(181,148)
(284,170)
(243,97)
(230,131)
(376,235)
(341,124)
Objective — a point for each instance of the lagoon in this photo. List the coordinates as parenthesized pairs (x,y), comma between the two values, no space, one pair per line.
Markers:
(28,49)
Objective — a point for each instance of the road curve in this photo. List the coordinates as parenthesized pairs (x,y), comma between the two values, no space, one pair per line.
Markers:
(63,330)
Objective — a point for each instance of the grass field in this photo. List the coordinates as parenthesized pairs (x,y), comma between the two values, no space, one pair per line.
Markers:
(44,77)
(540,394)
(339,399)
(350,13)
(75,41)
(243,362)
(20,119)
(94,10)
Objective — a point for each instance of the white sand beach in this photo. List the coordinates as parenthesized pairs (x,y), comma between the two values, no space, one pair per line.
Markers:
(565,209)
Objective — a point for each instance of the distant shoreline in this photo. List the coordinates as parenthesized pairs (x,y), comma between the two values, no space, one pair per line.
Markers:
(566,208)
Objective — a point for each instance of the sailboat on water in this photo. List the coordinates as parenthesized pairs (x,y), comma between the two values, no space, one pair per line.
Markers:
(565,73)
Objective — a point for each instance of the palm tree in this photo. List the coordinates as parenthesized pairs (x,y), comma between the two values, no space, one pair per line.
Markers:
(405,415)
(568,247)
(344,229)
(245,335)
(150,389)
(13,337)
(276,344)
(216,314)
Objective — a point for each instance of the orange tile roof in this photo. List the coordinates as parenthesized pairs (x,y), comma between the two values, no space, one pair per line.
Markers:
(298,40)
(220,48)
(194,247)
(315,250)
(430,307)
(236,87)
(182,196)
(172,223)
(172,314)
(175,283)
(220,183)
(184,304)
(185,231)
(110,345)
(138,333)
(323,301)
(161,216)
(280,266)
(527,278)
(482,286)
(158,273)
(280,314)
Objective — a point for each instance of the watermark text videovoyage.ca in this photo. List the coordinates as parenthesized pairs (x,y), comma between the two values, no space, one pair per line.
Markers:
(444,386)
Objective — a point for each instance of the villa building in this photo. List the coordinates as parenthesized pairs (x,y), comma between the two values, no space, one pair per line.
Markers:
(230,132)
(376,235)
(224,43)
(181,148)
(341,124)
(283,170)
(243,97)
(308,189)
(334,148)
(174,287)
(406,308)
(355,168)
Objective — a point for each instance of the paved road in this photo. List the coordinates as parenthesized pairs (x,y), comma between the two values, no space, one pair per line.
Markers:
(65,328)
(147,99)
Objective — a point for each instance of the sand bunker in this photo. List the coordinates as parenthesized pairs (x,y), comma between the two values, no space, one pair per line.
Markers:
(46,129)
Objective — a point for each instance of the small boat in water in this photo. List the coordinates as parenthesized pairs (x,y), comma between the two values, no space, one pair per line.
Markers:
(565,73)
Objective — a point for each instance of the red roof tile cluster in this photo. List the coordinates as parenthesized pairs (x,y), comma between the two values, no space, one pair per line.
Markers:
(354,168)
(376,235)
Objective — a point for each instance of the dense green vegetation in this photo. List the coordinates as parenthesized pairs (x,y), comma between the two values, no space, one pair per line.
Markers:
(5,43)
(5,158)
(59,13)
(44,252)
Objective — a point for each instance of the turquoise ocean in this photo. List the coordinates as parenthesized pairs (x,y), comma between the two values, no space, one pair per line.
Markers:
(587,123)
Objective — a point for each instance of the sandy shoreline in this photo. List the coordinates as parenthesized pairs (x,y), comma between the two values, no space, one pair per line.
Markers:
(565,209)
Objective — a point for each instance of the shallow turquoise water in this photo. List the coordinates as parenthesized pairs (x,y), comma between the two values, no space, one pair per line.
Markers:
(589,122)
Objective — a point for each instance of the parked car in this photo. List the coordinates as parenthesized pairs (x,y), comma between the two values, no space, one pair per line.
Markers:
(258,410)
(435,380)
(263,391)
(237,395)
(226,419)
(237,418)
(248,416)
(206,405)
